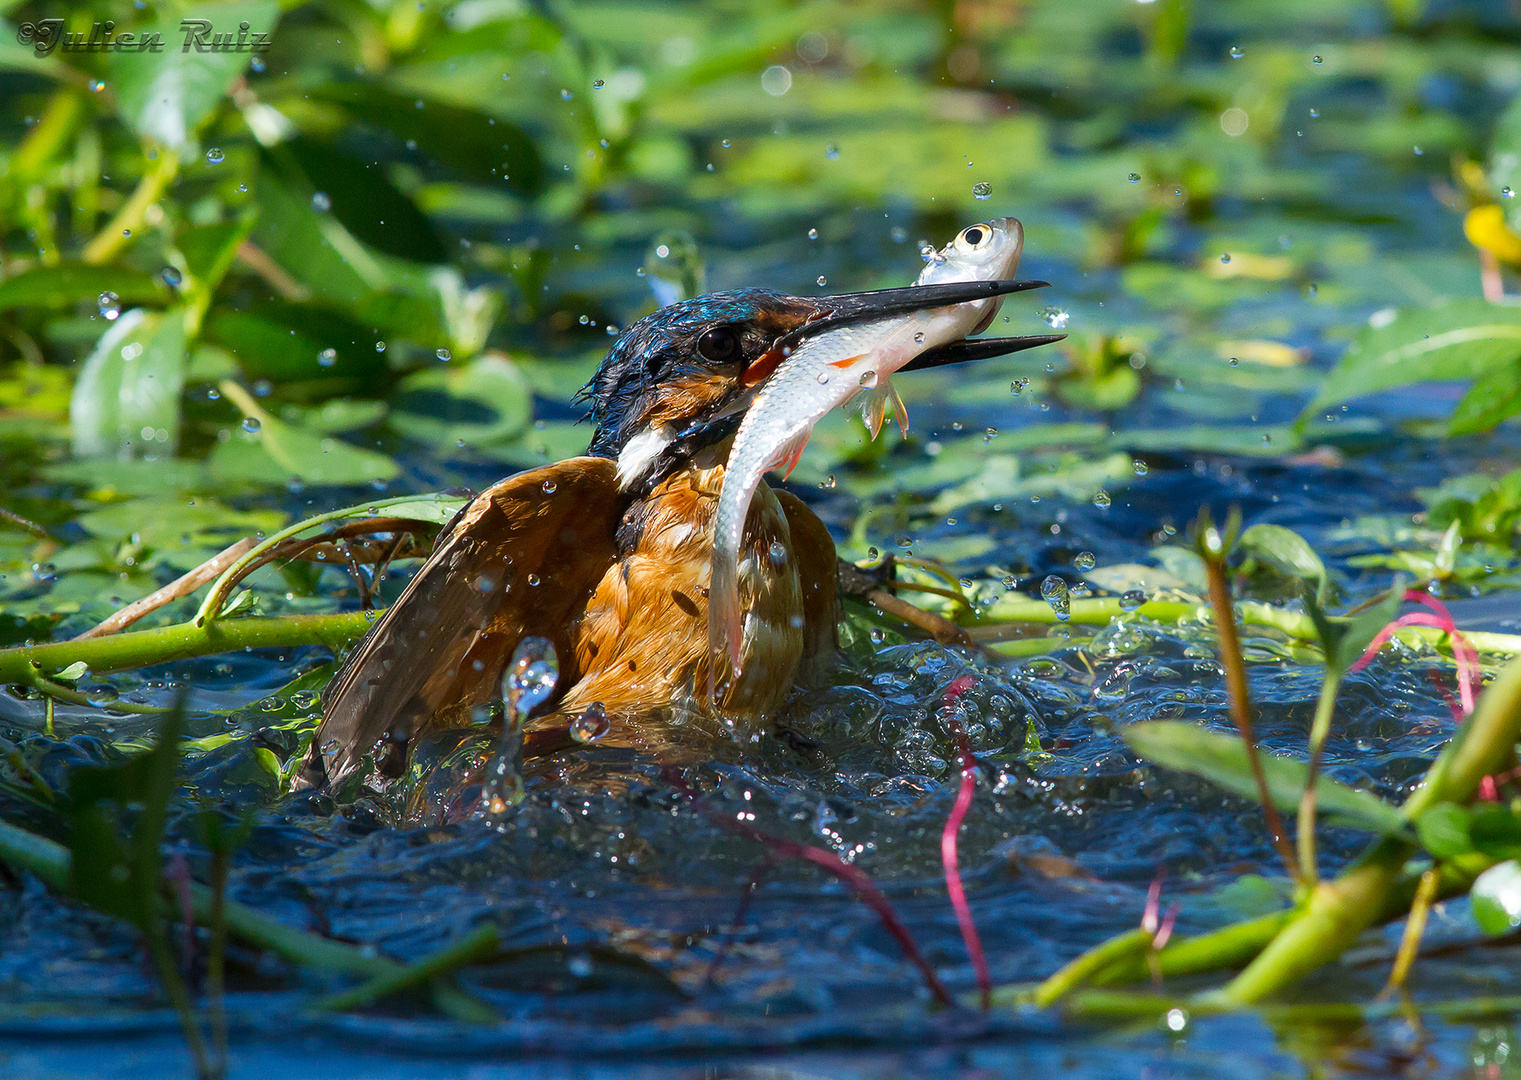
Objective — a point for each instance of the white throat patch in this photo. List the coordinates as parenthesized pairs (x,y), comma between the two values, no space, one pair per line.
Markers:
(640,452)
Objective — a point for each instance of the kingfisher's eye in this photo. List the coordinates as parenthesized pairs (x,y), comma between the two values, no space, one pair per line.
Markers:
(973,237)
(719,344)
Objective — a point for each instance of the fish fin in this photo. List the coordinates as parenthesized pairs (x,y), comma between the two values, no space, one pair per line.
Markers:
(874,409)
(791,453)
(900,410)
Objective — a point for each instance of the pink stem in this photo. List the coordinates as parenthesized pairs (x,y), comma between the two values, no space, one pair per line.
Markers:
(953,884)
(1466,657)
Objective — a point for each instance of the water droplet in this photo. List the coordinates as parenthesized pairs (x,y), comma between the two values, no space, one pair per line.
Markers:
(822,280)
(1314,114)
(1507,193)
(215,155)
(321,203)
(126,232)
(251,424)
(1176,1020)
(109,305)
(1313,289)
(989,435)
(869,378)
(982,190)
(1226,257)
(550,487)
(533,580)
(566,95)
(1101,500)
(725,143)
(1017,386)
(1135,178)
(1417,150)
(823,378)
(1055,592)
(1055,317)
(97,86)
(778,553)
(327,358)
(1235,362)
(1131,599)
(598,84)
(827,483)
(591,725)
(813,234)
(257,63)
(1316,60)
(380,346)
(1266,438)
(831,151)
(263,388)
(1084,560)
(443,354)
(170,276)
(1140,467)
(919,337)
(1237,52)
(877,636)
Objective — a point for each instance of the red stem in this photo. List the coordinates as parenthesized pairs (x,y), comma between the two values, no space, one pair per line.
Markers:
(953,884)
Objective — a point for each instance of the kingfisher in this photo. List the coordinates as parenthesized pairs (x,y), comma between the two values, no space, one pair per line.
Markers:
(610,555)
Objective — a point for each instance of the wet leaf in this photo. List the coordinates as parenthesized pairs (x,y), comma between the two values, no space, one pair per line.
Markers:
(76,283)
(1285,551)
(1444,830)
(168,99)
(279,451)
(1496,898)
(129,390)
(485,400)
(1457,341)
(1222,759)
(1494,396)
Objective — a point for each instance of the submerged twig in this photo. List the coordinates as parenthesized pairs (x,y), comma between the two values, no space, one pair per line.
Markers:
(1415,928)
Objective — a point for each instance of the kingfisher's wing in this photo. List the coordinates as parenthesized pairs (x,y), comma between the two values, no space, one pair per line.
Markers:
(522,558)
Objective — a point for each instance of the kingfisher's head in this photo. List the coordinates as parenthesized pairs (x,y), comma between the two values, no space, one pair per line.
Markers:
(677,382)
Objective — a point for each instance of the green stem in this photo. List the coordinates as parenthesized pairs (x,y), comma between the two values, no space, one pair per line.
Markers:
(141,648)
(179,997)
(1099,611)
(1319,729)
(1069,977)
(480,943)
(223,585)
(74,697)
(150,189)
(1337,911)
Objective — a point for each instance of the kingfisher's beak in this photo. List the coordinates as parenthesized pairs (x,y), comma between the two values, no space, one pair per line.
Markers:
(847,308)
(826,313)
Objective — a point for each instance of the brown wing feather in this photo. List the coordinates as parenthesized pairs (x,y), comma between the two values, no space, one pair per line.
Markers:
(523,558)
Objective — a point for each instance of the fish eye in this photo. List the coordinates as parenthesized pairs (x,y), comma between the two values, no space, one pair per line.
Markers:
(719,344)
(973,237)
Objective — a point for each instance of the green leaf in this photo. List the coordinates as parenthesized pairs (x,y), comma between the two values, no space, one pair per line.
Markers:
(484,401)
(1496,898)
(1460,340)
(167,96)
(1222,760)
(1354,635)
(129,384)
(1494,396)
(279,451)
(76,283)
(1287,552)
(1505,159)
(1444,830)
(1496,831)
